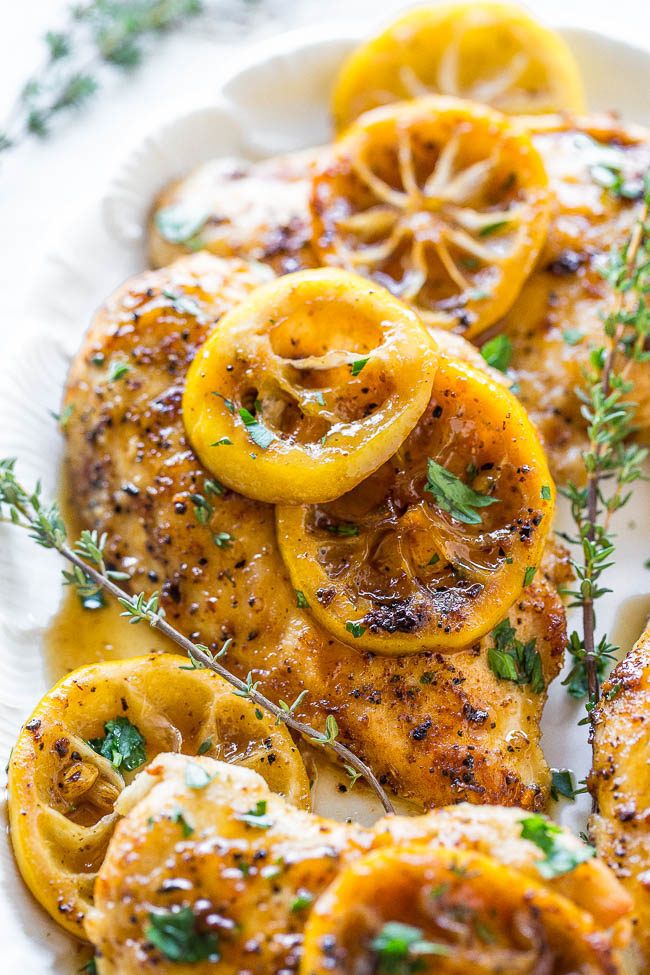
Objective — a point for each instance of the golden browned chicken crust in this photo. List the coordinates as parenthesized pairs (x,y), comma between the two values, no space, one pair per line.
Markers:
(253,868)
(620,784)
(238,208)
(435,728)
(557,318)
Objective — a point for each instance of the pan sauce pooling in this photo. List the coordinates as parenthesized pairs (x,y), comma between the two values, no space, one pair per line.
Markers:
(437,728)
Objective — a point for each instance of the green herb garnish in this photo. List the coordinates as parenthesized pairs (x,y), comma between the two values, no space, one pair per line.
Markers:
(497,352)
(399,949)
(258,432)
(560,855)
(510,659)
(174,933)
(123,745)
(451,495)
(357,365)
(257,816)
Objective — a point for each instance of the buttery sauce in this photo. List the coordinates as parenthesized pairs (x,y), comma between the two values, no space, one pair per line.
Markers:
(78,636)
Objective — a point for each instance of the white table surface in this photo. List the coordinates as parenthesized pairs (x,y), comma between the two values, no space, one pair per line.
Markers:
(43,184)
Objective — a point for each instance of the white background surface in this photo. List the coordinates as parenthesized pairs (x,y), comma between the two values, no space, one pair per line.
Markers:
(43,185)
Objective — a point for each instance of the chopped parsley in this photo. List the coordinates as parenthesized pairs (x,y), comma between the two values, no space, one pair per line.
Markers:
(257,431)
(529,574)
(399,949)
(228,403)
(205,746)
(178,223)
(345,528)
(454,497)
(301,600)
(357,365)
(257,816)
(562,784)
(545,492)
(356,629)
(178,816)
(196,777)
(174,933)
(182,303)
(222,443)
(572,336)
(493,228)
(497,352)
(302,900)
(123,745)
(560,855)
(117,370)
(510,659)
(63,417)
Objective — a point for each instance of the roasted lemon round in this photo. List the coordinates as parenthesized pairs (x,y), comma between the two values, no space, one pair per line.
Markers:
(430,552)
(488,52)
(449,912)
(90,735)
(443,201)
(307,387)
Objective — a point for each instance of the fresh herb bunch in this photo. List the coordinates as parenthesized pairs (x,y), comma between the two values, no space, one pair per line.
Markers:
(97,35)
(25,509)
(611,462)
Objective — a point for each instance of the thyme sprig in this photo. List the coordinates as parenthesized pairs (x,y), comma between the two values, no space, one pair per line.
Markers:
(97,35)
(25,509)
(611,462)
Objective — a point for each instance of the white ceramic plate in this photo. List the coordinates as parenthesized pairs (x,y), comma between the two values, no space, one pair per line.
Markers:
(276,102)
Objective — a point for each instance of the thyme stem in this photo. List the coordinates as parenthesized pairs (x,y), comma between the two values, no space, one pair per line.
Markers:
(47,529)
(597,448)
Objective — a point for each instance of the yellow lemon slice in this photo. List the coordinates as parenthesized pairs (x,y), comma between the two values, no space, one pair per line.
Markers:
(430,552)
(487,52)
(448,912)
(307,387)
(443,201)
(91,734)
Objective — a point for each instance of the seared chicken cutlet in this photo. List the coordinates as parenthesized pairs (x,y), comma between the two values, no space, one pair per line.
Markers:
(595,167)
(620,783)
(208,865)
(436,728)
(238,208)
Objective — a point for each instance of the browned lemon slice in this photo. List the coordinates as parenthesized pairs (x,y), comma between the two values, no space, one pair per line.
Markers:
(449,912)
(430,551)
(307,387)
(443,201)
(488,52)
(90,735)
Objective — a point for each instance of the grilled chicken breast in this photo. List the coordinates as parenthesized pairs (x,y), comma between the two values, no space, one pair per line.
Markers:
(207,847)
(556,319)
(620,784)
(436,728)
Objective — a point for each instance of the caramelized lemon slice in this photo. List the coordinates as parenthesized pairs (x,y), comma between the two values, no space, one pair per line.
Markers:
(307,387)
(443,201)
(430,552)
(487,52)
(90,735)
(448,912)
